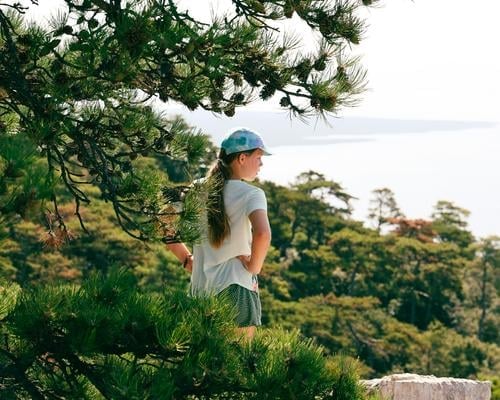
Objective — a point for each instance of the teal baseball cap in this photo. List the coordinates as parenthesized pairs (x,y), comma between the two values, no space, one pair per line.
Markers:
(243,139)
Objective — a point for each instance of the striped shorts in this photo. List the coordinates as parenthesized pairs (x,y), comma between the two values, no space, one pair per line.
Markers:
(247,304)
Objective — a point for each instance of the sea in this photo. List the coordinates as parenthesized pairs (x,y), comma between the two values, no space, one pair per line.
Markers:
(421,161)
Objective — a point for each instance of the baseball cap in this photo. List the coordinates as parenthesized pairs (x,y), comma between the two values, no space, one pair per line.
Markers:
(243,139)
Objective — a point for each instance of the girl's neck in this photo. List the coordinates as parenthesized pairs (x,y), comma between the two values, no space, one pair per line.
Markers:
(235,177)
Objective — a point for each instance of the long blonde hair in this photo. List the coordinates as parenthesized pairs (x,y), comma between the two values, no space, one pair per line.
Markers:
(218,222)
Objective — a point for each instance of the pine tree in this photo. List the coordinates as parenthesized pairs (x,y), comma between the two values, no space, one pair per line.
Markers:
(81,92)
(383,207)
(450,223)
(107,340)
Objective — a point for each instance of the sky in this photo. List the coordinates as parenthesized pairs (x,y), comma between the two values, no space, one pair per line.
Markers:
(431,112)
(426,59)
(433,59)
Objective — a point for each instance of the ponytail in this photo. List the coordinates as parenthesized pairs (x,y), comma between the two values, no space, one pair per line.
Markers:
(218,222)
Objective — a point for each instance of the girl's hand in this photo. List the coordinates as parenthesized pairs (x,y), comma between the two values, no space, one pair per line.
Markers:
(245,260)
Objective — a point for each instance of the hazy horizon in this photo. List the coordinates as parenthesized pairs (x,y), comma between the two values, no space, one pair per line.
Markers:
(421,161)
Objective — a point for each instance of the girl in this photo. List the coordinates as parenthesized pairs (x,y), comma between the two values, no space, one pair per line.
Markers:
(237,236)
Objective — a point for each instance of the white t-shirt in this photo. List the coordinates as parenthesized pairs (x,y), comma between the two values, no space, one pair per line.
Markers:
(214,269)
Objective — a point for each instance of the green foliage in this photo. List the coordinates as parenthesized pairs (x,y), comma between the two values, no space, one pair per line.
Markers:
(8,298)
(104,246)
(24,180)
(309,199)
(354,291)
(83,92)
(495,385)
(355,326)
(378,296)
(449,221)
(383,207)
(82,141)
(106,339)
(454,355)
(480,312)
(7,248)
(427,280)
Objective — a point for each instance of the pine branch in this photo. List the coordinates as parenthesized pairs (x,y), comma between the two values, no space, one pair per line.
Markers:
(18,372)
(81,90)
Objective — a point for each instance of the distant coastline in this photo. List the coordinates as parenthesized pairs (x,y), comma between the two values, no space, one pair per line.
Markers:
(421,161)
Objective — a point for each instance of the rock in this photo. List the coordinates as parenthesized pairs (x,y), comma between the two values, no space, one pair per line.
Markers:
(425,387)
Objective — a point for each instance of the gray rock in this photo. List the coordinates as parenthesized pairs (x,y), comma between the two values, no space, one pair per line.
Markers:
(425,387)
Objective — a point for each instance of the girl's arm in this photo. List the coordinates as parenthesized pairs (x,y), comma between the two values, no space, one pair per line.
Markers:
(261,240)
(183,254)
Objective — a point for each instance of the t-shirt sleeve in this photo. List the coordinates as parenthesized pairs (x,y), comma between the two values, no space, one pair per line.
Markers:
(256,201)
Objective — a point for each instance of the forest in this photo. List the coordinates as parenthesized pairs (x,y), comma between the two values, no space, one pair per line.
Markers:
(400,295)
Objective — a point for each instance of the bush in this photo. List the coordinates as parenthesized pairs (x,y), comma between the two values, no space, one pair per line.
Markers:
(106,339)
